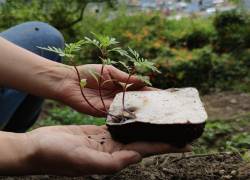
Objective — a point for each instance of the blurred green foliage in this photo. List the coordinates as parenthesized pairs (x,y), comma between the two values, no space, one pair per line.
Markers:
(189,52)
(232,30)
(210,53)
(64,115)
(225,135)
(62,14)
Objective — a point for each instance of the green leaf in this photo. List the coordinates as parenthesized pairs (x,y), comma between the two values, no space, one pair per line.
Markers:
(105,41)
(143,65)
(83,83)
(93,42)
(69,50)
(58,51)
(145,79)
(125,66)
(120,51)
(108,61)
(134,53)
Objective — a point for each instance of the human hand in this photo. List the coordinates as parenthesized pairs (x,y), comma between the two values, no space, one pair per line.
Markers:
(87,149)
(69,90)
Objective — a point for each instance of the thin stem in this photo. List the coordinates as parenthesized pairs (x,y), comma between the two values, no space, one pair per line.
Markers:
(99,87)
(124,91)
(85,98)
(104,55)
(125,87)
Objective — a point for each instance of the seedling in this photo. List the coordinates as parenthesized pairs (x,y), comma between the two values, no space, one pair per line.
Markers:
(135,65)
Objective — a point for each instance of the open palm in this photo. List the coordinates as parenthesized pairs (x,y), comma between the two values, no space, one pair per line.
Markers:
(87,149)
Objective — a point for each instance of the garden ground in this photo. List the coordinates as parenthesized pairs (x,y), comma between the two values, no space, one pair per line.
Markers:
(221,153)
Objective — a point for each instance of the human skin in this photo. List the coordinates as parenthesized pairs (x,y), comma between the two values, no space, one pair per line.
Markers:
(65,150)
(71,151)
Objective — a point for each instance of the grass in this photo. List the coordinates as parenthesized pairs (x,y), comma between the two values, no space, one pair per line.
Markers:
(225,135)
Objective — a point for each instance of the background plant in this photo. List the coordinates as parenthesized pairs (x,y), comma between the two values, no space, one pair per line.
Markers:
(175,46)
(13,12)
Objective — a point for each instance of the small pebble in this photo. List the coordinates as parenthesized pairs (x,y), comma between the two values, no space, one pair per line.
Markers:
(222,172)
(149,162)
(233,172)
(233,101)
(220,156)
(227,177)
(164,169)
(228,153)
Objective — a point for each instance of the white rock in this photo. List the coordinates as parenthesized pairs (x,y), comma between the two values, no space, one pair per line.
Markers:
(171,106)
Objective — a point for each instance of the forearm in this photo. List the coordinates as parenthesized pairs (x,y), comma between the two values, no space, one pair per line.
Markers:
(15,154)
(26,71)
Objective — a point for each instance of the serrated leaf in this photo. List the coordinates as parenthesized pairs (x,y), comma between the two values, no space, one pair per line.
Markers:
(58,51)
(68,51)
(145,79)
(134,53)
(93,42)
(108,61)
(124,65)
(72,48)
(143,65)
(105,41)
(119,50)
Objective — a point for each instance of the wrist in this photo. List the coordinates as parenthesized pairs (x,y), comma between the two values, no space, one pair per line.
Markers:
(59,77)
(68,78)
(16,154)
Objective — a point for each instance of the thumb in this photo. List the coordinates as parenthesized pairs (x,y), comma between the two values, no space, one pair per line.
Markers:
(106,163)
(126,157)
(120,160)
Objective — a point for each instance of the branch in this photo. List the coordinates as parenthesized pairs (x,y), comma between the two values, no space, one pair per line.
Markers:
(84,4)
(65,26)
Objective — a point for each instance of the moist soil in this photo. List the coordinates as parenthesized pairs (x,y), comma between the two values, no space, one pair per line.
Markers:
(225,165)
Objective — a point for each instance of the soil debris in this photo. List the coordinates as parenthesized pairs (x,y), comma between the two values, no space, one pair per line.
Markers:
(174,166)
